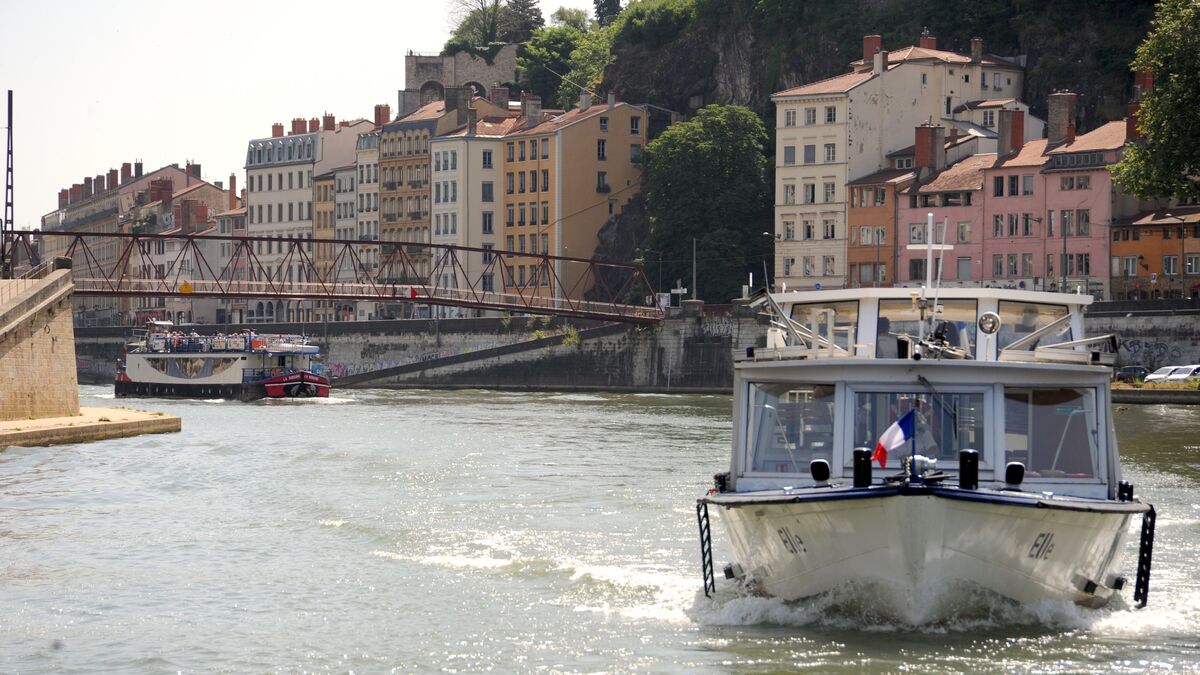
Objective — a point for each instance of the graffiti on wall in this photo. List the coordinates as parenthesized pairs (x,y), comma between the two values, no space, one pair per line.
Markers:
(1149,353)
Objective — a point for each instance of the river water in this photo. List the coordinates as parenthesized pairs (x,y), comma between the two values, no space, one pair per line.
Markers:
(479,531)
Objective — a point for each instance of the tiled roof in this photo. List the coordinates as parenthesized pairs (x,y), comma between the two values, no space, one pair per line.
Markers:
(966,175)
(489,126)
(1167,217)
(884,176)
(838,84)
(914,53)
(232,212)
(1110,136)
(566,119)
(912,149)
(1032,153)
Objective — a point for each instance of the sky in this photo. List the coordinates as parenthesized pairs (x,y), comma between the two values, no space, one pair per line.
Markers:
(96,84)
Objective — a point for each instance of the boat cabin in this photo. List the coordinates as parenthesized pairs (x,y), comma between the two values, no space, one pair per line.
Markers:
(1009,374)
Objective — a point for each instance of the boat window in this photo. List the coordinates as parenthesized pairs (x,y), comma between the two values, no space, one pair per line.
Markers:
(943,423)
(790,425)
(1018,319)
(844,320)
(900,317)
(1051,431)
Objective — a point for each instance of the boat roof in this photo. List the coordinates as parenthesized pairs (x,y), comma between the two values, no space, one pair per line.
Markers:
(843,294)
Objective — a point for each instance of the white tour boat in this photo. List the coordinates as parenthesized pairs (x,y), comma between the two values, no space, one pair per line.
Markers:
(989,411)
(164,362)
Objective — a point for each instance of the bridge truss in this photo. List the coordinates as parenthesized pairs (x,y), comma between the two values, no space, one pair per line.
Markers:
(234,267)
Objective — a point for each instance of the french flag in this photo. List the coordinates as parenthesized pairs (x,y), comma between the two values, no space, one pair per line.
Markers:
(896,435)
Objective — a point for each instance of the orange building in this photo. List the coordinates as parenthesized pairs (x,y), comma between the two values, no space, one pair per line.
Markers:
(323,228)
(1156,255)
(871,221)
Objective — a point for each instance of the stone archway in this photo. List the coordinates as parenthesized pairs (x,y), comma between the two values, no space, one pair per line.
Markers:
(477,89)
(432,91)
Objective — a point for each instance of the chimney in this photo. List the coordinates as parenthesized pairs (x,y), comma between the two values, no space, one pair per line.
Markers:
(472,121)
(531,109)
(383,114)
(98,184)
(976,49)
(112,179)
(194,168)
(930,147)
(500,97)
(76,193)
(314,125)
(233,200)
(342,124)
(953,134)
(585,100)
(64,198)
(137,169)
(1010,132)
(126,172)
(871,44)
(1143,82)
(87,188)
(450,99)
(1060,117)
(1071,132)
(880,63)
(612,100)
(328,122)
(927,40)
(277,130)
(298,126)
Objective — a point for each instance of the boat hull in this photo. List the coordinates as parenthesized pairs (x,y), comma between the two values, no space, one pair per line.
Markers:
(923,547)
(300,384)
(240,391)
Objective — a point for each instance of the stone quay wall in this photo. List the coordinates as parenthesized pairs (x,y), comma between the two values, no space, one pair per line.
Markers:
(37,348)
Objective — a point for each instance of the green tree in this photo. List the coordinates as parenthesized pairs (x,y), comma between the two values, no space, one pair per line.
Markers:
(519,19)
(545,58)
(707,179)
(587,63)
(573,17)
(1167,162)
(606,11)
(478,23)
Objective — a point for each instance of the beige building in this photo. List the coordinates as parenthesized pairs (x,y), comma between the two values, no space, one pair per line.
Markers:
(831,132)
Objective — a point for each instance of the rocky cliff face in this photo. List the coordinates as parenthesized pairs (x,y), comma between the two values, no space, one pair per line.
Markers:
(684,54)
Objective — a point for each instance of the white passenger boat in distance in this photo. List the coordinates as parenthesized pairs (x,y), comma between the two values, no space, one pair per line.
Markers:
(989,411)
(165,362)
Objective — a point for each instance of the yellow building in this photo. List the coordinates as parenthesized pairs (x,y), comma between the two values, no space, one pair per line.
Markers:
(323,228)
(564,178)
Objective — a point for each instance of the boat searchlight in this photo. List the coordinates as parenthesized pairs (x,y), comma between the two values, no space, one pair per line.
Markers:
(989,323)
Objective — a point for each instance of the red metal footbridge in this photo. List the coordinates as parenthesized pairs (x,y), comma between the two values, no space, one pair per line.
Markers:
(232,266)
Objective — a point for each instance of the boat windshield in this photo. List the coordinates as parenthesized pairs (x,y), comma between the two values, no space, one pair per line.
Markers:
(789,426)
(1051,431)
(943,423)
(1018,319)
(841,316)
(900,317)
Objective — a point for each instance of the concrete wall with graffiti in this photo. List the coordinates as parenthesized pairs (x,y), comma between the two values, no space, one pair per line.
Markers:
(1151,340)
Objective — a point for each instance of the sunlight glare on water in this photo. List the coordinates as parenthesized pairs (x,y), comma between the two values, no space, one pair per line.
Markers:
(470,531)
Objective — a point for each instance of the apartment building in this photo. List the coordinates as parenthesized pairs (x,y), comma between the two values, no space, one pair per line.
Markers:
(366,196)
(840,129)
(874,206)
(564,178)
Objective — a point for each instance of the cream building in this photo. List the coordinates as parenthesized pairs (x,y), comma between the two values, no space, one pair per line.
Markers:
(836,130)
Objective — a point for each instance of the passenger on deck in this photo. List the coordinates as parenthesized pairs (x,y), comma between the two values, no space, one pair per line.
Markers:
(887,346)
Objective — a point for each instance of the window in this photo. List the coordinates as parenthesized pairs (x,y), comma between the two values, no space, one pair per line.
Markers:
(511,150)
(810,116)
(948,104)
(995,80)
(521,182)
(1130,265)
(545,148)
(1013,185)
(508,177)
(830,189)
(602,181)
(487,195)
(789,118)
(789,155)
(963,269)
(830,228)
(1012,224)
(1050,223)
(866,235)
(1012,264)
(904,162)
(1068,223)
(1026,225)
(1027,184)
(1192,264)
(521,151)
(916,233)
(635,126)
(487,159)
(789,230)
(1027,264)
(808,230)
(787,266)
(635,153)
(808,266)
(830,114)
(916,269)
(545,179)
(989,118)
(545,218)
(486,218)
(1083,219)
(1062,415)
(510,218)
(789,194)
(964,231)
(810,154)
(827,268)
(997,265)
(603,124)
(830,152)
(1170,264)
(880,196)
(810,193)
(924,78)
(601,150)
(944,423)
(998,186)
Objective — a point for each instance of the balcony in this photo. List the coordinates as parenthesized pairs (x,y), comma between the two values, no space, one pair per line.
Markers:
(414,183)
(603,187)
(389,217)
(390,185)
(415,215)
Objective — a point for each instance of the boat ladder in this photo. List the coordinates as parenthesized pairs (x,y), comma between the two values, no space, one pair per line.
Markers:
(1141,588)
(706,558)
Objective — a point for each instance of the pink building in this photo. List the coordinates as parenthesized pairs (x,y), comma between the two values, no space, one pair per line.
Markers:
(1014,230)
(954,197)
